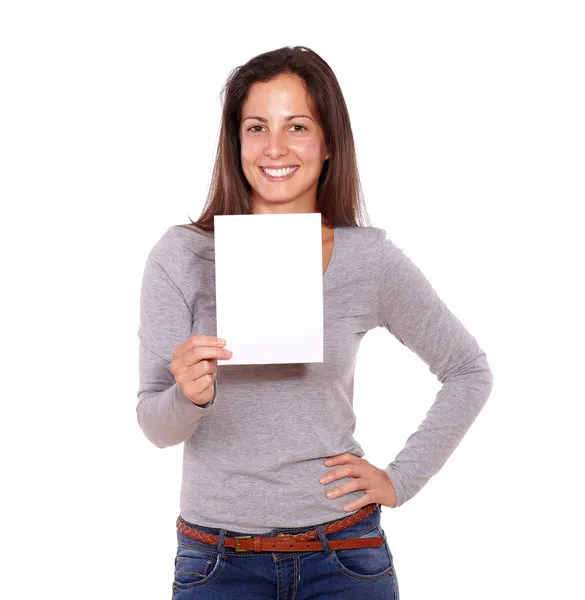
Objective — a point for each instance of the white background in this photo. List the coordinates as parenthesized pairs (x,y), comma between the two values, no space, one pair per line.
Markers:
(470,128)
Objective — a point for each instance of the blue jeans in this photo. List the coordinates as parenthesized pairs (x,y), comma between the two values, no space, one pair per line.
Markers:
(205,571)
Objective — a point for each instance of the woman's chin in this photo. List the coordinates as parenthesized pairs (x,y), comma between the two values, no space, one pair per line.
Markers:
(279,197)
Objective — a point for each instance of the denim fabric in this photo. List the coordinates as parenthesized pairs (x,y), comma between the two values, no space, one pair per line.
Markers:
(220,573)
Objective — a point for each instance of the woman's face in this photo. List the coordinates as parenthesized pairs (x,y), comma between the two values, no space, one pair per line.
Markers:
(278,129)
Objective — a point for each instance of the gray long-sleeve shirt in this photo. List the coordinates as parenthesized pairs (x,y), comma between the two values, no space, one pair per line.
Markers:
(253,458)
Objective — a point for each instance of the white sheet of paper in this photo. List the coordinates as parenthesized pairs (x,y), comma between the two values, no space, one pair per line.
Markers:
(269,287)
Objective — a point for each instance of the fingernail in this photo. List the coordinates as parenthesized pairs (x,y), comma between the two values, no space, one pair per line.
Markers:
(219,341)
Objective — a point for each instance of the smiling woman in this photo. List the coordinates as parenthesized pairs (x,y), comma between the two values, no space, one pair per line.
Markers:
(284,109)
(282,155)
(257,516)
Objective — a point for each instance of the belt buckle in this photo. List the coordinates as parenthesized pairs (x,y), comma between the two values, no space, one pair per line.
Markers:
(238,544)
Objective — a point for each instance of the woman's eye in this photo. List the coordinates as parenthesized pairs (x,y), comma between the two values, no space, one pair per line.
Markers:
(250,128)
(297,125)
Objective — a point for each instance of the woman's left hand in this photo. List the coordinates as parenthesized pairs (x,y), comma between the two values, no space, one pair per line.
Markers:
(374,481)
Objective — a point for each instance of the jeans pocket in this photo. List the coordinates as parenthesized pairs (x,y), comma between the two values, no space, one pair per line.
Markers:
(195,567)
(365,564)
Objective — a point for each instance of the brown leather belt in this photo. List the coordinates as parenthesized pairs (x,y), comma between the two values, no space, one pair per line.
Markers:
(289,542)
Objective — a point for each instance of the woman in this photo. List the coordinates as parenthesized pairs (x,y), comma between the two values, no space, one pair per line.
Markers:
(256,518)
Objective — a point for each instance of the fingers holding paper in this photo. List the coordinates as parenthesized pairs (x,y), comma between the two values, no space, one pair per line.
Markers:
(194,366)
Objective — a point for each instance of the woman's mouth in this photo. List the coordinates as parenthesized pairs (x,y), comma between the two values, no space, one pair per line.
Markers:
(277,175)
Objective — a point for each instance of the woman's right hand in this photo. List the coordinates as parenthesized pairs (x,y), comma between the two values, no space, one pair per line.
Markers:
(194,366)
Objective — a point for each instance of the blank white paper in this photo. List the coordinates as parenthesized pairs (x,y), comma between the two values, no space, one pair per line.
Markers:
(269,287)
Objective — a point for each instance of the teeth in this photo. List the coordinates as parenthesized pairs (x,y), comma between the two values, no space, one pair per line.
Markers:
(279,172)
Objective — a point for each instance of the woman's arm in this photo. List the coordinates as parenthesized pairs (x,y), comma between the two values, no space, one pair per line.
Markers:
(412,311)
(165,415)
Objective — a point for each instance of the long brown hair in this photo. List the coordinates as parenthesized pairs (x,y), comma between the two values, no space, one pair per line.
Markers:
(339,192)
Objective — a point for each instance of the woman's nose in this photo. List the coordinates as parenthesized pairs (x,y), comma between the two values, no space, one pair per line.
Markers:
(275,145)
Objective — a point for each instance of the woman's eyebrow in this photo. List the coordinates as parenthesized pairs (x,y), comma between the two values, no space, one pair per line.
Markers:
(288,118)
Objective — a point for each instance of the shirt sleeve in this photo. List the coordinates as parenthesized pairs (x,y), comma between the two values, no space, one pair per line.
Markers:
(410,309)
(165,415)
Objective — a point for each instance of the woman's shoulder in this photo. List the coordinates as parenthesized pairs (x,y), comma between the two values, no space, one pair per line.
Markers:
(368,237)
(376,247)
(180,238)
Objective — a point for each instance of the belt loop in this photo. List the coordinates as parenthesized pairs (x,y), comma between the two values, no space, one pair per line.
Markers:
(323,538)
(220,542)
